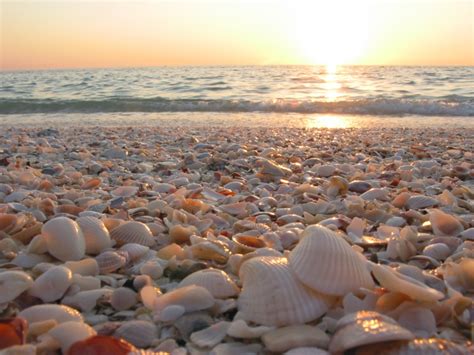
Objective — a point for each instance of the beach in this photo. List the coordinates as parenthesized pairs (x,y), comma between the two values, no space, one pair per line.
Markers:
(191,237)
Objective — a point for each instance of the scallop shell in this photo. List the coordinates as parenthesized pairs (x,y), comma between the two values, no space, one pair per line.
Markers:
(96,236)
(52,285)
(445,224)
(324,262)
(135,251)
(416,202)
(64,239)
(110,261)
(123,298)
(366,327)
(271,295)
(138,332)
(132,232)
(44,312)
(240,329)
(192,298)
(217,282)
(210,336)
(12,284)
(68,333)
(286,338)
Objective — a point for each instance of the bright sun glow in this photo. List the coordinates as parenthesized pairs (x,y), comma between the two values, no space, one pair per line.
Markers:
(330,32)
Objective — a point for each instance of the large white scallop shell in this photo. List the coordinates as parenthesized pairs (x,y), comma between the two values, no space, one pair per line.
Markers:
(95,233)
(64,239)
(43,312)
(271,294)
(217,282)
(68,333)
(132,232)
(52,285)
(324,262)
(12,284)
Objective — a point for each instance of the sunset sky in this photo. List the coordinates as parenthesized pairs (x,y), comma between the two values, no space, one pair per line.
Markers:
(71,33)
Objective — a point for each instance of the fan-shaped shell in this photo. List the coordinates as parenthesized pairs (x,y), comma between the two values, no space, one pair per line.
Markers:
(132,232)
(217,282)
(68,333)
(326,263)
(420,201)
(64,239)
(445,224)
(271,295)
(12,284)
(96,236)
(138,332)
(43,312)
(110,261)
(135,251)
(52,285)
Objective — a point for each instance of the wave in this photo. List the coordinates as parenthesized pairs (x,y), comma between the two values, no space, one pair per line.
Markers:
(375,106)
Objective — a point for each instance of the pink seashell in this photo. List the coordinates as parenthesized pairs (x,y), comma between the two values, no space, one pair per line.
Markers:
(132,232)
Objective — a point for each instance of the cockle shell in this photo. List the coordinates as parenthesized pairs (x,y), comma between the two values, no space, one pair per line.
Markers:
(64,239)
(43,312)
(96,236)
(286,338)
(416,202)
(192,298)
(110,261)
(366,327)
(210,336)
(271,295)
(12,284)
(217,282)
(445,224)
(52,285)
(138,332)
(322,256)
(135,251)
(152,268)
(133,232)
(68,333)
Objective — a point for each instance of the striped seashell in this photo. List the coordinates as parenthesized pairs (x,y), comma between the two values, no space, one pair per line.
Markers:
(135,251)
(217,282)
(138,332)
(12,284)
(445,224)
(64,239)
(95,233)
(416,202)
(210,336)
(110,261)
(271,295)
(366,327)
(44,312)
(324,262)
(132,232)
(68,333)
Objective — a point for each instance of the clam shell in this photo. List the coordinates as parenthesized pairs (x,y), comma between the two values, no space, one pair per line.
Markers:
(64,239)
(416,202)
(123,298)
(110,261)
(135,251)
(271,295)
(321,257)
(366,327)
(52,285)
(286,338)
(138,332)
(445,224)
(95,233)
(68,333)
(438,251)
(192,298)
(44,312)
(12,284)
(210,336)
(132,232)
(217,282)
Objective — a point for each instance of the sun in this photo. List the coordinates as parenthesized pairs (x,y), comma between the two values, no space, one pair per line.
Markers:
(329,32)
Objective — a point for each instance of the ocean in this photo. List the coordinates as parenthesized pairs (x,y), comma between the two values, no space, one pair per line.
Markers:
(283,95)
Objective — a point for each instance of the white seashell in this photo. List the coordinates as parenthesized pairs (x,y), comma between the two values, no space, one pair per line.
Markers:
(271,295)
(44,312)
(135,251)
(366,327)
(12,284)
(376,193)
(110,261)
(396,282)
(192,298)
(325,170)
(445,224)
(52,285)
(286,338)
(152,268)
(95,233)
(64,239)
(438,251)
(123,298)
(468,234)
(86,300)
(236,349)
(85,283)
(26,349)
(37,245)
(419,320)
(217,282)
(132,232)
(170,313)
(210,336)
(306,351)
(324,262)
(84,267)
(416,202)
(124,191)
(68,333)
(240,329)
(27,261)
(138,332)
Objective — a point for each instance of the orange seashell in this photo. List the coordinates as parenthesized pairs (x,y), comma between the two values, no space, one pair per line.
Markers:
(12,332)
(101,345)
(91,183)
(69,209)
(45,185)
(226,192)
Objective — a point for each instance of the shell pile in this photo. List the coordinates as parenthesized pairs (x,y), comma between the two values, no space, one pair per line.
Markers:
(224,241)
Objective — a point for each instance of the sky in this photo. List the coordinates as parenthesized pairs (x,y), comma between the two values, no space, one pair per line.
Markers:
(36,34)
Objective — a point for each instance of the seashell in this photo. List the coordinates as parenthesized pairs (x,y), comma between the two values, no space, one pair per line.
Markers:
(12,284)
(44,312)
(459,276)
(52,285)
(468,234)
(271,295)
(170,251)
(366,327)
(376,193)
(415,347)
(27,261)
(37,245)
(438,251)
(170,313)
(322,256)
(134,251)
(240,329)
(306,351)
(111,223)
(110,261)
(286,338)
(123,298)
(359,186)
(419,320)
(215,251)
(68,209)
(180,234)
(124,191)
(337,186)
(268,167)
(132,232)
(236,349)
(210,336)
(396,282)
(85,283)
(84,267)
(152,268)
(416,202)
(217,282)
(325,170)
(192,298)
(12,332)
(91,184)
(138,332)
(445,224)
(9,223)
(67,333)
(64,239)
(95,233)
(25,349)
(100,344)
(149,295)
(87,300)
(246,243)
